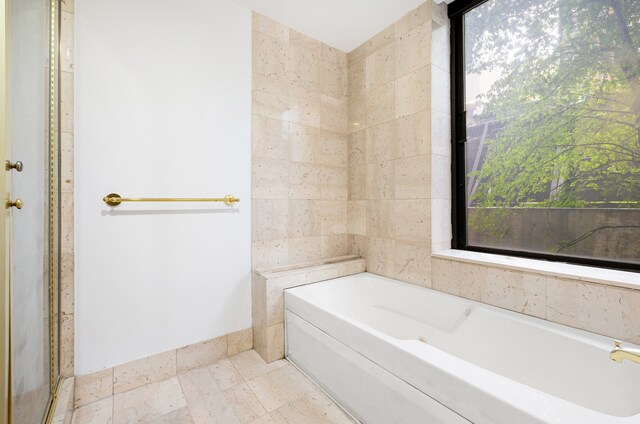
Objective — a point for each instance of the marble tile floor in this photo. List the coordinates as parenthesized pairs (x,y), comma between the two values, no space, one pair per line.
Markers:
(242,389)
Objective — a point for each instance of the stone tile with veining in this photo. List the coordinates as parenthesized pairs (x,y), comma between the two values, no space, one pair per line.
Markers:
(201,383)
(303,143)
(333,182)
(250,365)
(66,101)
(380,143)
(269,179)
(304,67)
(356,114)
(67,5)
(413,135)
(303,181)
(380,180)
(149,402)
(93,387)
(270,138)
(304,218)
(334,245)
(380,256)
(357,182)
(239,341)
(380,218)
(270,56)
(280,386)
(270,27)
(95,413)
(605,310)
(237,405)
(269,253)
(304,249)
(357,79)
(333,217)
(414,18)
(263,420)
(459,279)
(413,177)
(299,39)
(333,79)
(356,153)
(269,219)
(67,353)
(412,92)
(200,354)
(144,371)
(332,148)
(357,217)
(516,291)
(413,263)
(380,67)
(304,106)
(413,221)
(271,98)
(413,50)
(380,40)
(313,408)
(66,41)
(333,113)
(381,103)
(179,416)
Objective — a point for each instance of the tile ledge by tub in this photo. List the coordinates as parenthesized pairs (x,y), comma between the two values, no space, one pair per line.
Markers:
(609,277)
(306,266)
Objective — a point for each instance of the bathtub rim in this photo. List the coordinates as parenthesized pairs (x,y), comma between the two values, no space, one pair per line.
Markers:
(511,392)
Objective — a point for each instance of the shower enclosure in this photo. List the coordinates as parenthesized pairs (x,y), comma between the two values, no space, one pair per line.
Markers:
(30,181)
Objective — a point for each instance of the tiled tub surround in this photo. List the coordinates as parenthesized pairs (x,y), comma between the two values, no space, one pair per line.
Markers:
(267,292)
(299,147)
(399,151)
(604,309)
(242,389)
(121,378)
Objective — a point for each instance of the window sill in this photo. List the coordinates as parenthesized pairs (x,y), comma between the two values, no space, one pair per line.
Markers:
(609,277)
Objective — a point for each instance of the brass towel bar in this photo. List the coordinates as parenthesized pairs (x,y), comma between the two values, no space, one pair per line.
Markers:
(114,199)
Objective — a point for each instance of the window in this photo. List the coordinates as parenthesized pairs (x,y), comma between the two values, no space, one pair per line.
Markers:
(547,129)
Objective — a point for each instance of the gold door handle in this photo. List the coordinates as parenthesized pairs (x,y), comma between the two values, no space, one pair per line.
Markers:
(17,204)
(17,166)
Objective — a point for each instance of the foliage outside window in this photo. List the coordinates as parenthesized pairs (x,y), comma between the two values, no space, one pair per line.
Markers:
(548,131)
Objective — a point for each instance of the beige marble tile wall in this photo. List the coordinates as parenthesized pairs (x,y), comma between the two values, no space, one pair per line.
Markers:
(390,156)
(399,209)
(299,147)
(267,298)
(67,180)
(603,309)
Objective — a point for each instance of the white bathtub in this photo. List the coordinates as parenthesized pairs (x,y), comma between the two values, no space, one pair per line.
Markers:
(391,352)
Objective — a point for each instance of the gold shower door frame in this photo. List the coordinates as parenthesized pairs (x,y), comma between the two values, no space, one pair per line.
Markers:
(5,217)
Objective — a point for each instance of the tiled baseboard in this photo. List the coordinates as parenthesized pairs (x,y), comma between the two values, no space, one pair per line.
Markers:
(121,378)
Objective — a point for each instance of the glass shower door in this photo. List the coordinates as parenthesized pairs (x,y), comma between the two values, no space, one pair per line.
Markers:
(32,244)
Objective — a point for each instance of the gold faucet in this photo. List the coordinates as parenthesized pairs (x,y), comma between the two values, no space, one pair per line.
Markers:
(619,353)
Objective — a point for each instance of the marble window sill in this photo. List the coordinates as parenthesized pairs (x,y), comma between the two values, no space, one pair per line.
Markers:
(609,277)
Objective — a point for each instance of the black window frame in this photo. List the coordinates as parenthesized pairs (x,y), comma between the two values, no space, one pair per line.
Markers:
(456,12)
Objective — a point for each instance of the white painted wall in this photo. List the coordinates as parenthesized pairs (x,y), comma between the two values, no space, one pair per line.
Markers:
(163,108)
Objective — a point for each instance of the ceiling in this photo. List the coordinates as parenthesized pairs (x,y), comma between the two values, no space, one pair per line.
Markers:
(343,24)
